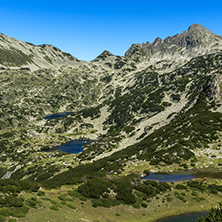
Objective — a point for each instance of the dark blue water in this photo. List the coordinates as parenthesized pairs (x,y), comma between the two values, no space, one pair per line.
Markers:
(57,115)
(185,217)
(168,178)
(74,146)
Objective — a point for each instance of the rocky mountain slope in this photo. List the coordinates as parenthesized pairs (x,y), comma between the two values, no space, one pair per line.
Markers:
(160,105)
(15,53)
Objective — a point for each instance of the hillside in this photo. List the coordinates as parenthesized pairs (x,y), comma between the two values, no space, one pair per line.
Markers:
(15,53)
(155,109)
(153,104)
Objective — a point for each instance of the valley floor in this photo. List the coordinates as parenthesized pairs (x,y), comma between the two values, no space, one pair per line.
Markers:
(82,210)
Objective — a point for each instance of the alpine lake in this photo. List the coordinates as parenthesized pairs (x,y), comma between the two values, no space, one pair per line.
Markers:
(191,217)
(183,176)
(57,115)
(76,146)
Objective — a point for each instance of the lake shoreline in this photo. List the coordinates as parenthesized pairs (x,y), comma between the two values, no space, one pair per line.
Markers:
(74,146)
(56,115)
(182,214)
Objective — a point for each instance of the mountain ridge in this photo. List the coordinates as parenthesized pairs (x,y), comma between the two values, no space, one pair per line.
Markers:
(31,55)
(16,53)
(188,39)
(126,104)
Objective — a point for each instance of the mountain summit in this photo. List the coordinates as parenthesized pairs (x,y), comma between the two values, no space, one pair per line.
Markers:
(103,55)
(196,41)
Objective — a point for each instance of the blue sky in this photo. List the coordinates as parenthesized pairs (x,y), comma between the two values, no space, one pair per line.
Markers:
(86,28)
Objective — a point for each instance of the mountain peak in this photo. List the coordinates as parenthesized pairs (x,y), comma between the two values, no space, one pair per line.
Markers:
(157,41)
(195,36)
(196,26)
(103,55)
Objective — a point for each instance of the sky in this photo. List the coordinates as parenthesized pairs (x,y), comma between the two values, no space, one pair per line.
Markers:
(86,28)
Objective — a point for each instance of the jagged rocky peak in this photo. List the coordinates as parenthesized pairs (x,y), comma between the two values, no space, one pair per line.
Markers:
(199,28)
(105,54)
(135,48)
(157,41)
(195,36)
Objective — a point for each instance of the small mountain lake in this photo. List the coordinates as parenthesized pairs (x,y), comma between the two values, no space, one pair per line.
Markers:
(74,146)
(57,115)
(191,217)
(185,175)
(168,177)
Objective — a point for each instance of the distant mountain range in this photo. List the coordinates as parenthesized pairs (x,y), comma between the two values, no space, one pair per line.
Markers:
(160,104)
(196,41)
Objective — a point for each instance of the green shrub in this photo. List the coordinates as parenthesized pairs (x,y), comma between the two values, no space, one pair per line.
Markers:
(180,187)
(70,205)
(54,207)
(74,193)
(31,202)
(62,197)
(127,196)
(2,219)
(198,199)
(14,201)
(108,202)
(40,193)
(136,205)
(175,97)
(144,205)
(94,188)
(194,193)
(214,191)
(54,202)
(83,198)
(21,211)
(181,198)
(11,220)
(6,212)
(46,198)
(169,198)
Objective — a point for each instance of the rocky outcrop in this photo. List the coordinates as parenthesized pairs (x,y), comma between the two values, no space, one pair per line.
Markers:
(215,91)
(196,37)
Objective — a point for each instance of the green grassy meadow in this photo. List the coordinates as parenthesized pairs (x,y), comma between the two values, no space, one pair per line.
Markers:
(58,205)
